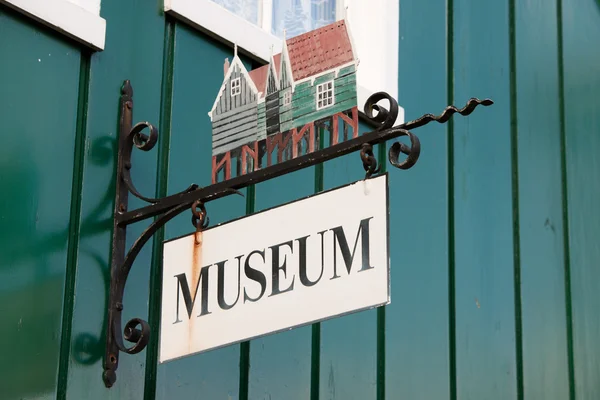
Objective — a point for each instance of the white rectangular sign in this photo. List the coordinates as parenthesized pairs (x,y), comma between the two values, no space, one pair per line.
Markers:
(299,263)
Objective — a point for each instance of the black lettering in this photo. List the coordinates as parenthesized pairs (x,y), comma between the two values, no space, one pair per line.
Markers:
(302,260)
(221,285)
(255,275)
(184,289)
(276,267)
(340,237)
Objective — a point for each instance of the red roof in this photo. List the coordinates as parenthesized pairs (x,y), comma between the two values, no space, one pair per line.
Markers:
(311,53)
(277,60)
(259,77)
(320,50)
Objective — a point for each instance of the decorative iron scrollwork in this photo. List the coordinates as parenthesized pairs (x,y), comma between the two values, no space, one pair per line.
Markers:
(384,119)
(136,330)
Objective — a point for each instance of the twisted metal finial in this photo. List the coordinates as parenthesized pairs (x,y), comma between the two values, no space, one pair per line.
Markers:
(384,120)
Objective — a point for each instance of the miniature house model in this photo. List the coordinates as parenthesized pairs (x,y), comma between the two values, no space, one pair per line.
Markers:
(279,111)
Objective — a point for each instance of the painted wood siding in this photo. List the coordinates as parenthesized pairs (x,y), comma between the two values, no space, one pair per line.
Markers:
(234,128)
(285,111)
(261,130)
(495,280)
(304,103)
(227,102)
(271,82)
(272,113)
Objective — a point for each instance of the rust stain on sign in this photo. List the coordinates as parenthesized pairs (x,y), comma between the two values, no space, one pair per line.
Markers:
(196,269)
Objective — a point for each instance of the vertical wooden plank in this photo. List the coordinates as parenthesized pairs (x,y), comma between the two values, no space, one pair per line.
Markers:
(537,107)
(486,366)
(581,32)
(163,153)
(134,50)
(215,374)
(417,343)
(280,364)
(348,367)
(39,80)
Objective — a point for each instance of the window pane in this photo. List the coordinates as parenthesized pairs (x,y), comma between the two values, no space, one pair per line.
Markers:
(247,9)
(299,16)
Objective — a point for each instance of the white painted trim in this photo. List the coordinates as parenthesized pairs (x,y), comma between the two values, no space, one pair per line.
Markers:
(378,69)
(288,64)
(236,61)
(352,43)
(66,17)
(266,15)
(211,17)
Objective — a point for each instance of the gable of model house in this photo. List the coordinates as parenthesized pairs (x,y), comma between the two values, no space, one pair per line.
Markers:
(238,90)
(234,116)
(313,78)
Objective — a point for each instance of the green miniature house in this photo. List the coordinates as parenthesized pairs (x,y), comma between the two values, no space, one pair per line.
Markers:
(273,113)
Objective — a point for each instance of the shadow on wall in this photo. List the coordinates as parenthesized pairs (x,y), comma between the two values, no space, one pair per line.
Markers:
(28,280)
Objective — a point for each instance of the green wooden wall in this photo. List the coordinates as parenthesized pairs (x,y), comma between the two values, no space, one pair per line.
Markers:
(494,233)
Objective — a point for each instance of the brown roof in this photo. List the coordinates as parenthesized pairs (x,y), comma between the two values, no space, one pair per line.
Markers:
(320,50)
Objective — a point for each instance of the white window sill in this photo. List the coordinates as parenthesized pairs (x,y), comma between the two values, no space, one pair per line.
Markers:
(211,18)
(215,20)
(64,16)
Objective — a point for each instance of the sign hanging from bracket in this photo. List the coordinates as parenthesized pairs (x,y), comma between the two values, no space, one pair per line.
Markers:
(299,263)
(285,116)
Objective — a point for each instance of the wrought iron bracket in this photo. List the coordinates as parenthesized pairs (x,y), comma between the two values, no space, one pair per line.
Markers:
(137,331)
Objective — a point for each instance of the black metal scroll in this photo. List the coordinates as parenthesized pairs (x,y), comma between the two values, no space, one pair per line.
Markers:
(137,331)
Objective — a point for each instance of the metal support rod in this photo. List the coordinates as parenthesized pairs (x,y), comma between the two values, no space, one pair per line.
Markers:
(137,331)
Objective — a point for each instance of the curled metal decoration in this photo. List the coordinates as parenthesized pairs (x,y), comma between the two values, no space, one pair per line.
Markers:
(143,142)
(412,152)
(137,331)
(384,119)
(447,113)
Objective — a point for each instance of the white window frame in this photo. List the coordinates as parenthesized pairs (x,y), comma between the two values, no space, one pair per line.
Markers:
(323,94)
(77,19)
(378,69)
(235,87)
(287,97)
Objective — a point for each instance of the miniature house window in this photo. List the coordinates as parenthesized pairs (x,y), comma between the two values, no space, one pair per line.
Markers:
(325,95)
(235,87)
(287,98)
(77,19)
